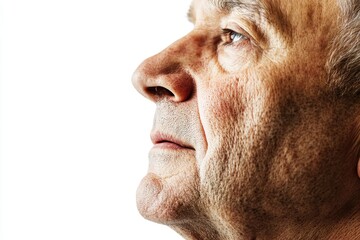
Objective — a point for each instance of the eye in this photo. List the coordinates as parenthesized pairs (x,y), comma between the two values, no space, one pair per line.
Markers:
(231,37)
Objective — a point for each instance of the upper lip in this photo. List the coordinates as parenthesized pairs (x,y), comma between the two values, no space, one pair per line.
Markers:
(159,137)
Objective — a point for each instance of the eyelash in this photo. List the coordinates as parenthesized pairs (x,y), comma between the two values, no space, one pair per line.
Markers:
(228,37)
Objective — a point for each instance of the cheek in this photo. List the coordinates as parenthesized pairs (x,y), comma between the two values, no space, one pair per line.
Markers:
(235,116)
(220,106)
(230,103)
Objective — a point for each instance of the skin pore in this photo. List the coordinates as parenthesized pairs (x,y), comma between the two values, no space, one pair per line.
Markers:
(250,141)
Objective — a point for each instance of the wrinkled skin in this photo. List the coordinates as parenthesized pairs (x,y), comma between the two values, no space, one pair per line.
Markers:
(249,140)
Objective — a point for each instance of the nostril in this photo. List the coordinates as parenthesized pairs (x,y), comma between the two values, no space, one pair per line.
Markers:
(159,92)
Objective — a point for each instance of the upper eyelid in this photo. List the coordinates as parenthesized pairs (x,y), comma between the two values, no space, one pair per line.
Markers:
(229,30)
(245,26)
(226,36)
(251,31)
(235,27)
(226,41)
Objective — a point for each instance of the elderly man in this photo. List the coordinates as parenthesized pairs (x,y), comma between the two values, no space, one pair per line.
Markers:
(257,127)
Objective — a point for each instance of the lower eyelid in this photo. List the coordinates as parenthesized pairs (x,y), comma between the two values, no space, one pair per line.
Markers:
(242,44)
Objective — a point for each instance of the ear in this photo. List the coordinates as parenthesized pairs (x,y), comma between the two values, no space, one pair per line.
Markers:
(356,144)
(355,149)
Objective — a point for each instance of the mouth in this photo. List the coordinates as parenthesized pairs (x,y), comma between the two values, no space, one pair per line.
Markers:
(164,141)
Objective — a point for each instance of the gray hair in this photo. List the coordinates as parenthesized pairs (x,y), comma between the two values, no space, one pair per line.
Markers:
(344,60)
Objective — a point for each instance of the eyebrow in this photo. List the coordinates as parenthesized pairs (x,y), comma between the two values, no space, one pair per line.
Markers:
(227,5)
(256,10)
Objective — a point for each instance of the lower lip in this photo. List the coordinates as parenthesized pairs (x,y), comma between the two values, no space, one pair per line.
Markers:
(168,145)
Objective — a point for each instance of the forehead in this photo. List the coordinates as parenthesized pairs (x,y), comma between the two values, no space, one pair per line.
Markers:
(282,14)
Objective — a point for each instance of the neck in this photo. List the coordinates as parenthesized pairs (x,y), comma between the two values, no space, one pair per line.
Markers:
(344,225)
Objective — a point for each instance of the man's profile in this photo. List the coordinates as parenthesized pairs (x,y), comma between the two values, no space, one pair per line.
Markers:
(257,126)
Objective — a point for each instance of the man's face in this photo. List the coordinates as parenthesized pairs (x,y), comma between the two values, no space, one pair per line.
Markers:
(246,127)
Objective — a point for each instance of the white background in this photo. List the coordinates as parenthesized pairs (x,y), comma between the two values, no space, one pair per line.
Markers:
(74,132)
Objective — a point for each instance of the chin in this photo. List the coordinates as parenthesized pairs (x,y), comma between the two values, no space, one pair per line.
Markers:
(166,200)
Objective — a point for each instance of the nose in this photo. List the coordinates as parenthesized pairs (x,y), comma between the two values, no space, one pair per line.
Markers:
(166,75)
